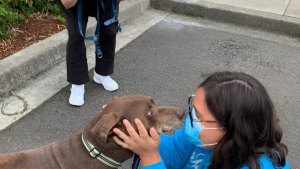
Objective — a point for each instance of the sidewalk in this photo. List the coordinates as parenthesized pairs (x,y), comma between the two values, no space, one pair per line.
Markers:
(20,77)
(278,16)
(288,8)
(31,76)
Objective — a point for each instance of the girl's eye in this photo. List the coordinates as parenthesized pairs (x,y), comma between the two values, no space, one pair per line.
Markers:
(150,113)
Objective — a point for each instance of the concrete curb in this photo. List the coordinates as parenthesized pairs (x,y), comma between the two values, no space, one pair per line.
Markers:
(18,68)
(238,16)
(46,84)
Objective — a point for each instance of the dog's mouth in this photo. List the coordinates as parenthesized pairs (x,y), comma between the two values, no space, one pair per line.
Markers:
(167,127)
(164,129)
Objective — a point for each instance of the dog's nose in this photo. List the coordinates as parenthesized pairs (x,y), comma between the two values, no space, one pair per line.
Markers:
(180,113)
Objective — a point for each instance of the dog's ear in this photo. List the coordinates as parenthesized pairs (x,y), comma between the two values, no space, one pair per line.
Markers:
(104,126)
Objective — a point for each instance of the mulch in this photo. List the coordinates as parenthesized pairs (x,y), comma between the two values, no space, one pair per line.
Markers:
(32,30)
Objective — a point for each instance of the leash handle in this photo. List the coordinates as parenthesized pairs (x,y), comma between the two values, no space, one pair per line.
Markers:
(136,161)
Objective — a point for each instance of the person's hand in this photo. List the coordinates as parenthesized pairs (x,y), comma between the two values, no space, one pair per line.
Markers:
(143,145)
(68,3)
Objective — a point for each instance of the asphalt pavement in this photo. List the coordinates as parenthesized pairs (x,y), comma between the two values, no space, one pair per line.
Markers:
(166,56)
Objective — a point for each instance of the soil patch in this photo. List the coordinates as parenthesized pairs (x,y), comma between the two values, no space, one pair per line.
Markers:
(31,31)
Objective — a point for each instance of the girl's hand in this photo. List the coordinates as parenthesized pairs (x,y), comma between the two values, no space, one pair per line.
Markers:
(68,3)
(143,145)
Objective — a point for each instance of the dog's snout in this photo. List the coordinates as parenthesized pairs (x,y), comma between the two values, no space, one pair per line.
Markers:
(180,113)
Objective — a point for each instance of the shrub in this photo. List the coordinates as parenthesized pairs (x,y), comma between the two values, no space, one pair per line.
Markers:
(13,11)
(8,18)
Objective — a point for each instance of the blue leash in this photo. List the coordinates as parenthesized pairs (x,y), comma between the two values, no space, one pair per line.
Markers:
(113,19)
(136,161)
(95,38)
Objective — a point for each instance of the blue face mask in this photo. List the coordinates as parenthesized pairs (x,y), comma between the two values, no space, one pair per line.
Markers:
(192,133)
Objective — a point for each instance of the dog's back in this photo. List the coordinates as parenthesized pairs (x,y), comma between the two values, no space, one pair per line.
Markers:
(25,159)
(58,154)
(9,161)
(72,154)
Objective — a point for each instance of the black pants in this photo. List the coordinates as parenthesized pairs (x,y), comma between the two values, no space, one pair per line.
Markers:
(77,68)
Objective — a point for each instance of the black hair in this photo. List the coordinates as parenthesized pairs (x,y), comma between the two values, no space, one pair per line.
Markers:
(240,103)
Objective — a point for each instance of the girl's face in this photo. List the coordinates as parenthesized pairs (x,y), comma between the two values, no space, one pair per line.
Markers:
(202,112)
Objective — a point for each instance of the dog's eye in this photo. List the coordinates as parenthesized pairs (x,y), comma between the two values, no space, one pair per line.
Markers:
(150,113)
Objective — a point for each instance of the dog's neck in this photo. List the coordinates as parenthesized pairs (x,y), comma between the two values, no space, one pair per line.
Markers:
(110,148)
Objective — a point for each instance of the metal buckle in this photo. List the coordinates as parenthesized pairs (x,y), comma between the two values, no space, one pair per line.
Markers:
(96,37)
(92,151)
(99,56)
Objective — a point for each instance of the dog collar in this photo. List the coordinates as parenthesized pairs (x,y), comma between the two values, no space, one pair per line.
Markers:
(97,154)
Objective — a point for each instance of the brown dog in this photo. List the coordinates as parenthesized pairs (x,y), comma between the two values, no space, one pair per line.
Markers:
(73,152)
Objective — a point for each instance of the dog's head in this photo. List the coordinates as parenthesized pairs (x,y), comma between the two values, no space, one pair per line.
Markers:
(135,106)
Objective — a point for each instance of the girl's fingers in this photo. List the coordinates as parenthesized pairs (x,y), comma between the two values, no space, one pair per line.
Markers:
(154,135)
(143,132)
(121,143)
(122,135)
(132,133)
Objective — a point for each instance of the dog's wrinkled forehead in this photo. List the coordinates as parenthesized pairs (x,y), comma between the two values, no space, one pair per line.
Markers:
(131,100)
(130,103)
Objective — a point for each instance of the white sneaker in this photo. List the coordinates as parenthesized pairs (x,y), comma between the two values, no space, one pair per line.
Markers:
(77,95)
(108,83)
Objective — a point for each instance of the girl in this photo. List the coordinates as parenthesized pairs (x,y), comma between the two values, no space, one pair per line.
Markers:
(231,124)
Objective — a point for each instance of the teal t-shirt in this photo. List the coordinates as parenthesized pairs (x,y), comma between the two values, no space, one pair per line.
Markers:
(178,153)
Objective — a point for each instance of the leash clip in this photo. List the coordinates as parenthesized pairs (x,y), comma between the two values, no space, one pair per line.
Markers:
(96,37)
(99,56)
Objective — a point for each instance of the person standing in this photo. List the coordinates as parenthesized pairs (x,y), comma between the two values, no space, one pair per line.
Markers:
(77,67)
